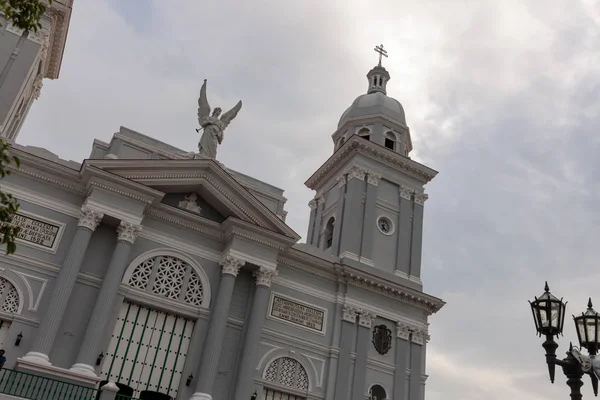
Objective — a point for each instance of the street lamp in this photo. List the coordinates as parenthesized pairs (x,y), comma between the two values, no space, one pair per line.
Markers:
(549,316)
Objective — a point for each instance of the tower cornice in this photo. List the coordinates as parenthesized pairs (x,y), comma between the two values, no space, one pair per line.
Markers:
(356,145)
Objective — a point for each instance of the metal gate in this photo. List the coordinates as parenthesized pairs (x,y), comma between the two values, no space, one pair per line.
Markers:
(147,349)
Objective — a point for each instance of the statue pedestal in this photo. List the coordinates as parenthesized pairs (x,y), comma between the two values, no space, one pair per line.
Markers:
(202,157)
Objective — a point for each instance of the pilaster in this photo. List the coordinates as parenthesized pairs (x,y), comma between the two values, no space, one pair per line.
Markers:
(369,218)
(353,213)
(88,351)
(342,383)
(65,281)
(418,339)
(401,360)
(244,387)
(417,237)
(312,220)
(405,237)
(365,321)
(218,320)
(339,212)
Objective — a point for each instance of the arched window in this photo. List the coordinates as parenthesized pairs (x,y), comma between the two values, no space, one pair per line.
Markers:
(9,297)
(390,140)
(328,236)
(10,302)
(365,133)
(377,392)
(288,372)
(170,277)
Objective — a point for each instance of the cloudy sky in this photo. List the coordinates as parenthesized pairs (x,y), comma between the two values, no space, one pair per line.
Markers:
(501,98)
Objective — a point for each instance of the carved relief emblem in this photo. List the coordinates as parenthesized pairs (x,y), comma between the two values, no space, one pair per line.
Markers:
(190,203)
(382,339)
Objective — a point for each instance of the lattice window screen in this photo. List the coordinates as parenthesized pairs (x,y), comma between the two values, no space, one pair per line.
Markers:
(9,297)
(288,372)
(164,276)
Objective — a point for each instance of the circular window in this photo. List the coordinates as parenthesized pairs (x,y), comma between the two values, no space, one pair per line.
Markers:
(385,225)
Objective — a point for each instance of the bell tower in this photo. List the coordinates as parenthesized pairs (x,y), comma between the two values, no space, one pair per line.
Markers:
(26,58)
(369,203)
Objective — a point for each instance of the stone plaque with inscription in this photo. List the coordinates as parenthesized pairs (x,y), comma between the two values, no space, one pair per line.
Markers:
(297,313)
(36,231)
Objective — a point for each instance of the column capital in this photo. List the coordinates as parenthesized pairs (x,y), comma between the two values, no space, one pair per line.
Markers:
(419,336)
(365,319)
(231,265)
(264,276)
(373,178)
(405,192)
(128,232)
(349,313)
(356,172)
(89,218)
(341,181)
(420,198)
(312,204)
(402,331)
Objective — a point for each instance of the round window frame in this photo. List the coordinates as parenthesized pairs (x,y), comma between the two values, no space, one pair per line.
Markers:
(392,225)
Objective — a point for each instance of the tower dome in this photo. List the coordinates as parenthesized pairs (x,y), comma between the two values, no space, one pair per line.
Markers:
(375,101)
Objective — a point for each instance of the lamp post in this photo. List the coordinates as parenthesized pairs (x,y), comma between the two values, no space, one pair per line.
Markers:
(549,316)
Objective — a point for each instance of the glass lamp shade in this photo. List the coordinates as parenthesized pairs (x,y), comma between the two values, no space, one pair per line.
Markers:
(587,325)
(548,313)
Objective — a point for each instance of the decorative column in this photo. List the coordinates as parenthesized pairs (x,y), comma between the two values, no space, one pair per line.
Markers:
(245,379)
(401,360)
(342,383)
(417,238)
(369,219)
(65,281)
(418,338)
(405,218)
(365,321)
(216,330)
(88,352)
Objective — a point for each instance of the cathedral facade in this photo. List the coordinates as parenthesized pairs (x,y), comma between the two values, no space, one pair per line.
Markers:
(175,277)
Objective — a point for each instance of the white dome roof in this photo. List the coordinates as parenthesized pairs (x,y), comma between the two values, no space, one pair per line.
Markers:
(372,104)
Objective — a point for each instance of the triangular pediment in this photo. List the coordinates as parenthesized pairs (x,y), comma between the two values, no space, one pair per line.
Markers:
(218,194)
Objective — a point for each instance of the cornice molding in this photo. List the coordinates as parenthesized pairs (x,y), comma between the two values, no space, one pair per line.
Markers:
(187,220)
(356,145)
(61,182)
(61,17)
(235,227)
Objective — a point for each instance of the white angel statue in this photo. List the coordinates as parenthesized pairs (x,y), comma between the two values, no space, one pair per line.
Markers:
(212,125)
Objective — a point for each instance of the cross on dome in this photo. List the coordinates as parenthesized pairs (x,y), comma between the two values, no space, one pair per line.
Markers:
(382,52)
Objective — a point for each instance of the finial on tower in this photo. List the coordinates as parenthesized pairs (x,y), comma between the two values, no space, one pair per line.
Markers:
(378,76)
(382,52)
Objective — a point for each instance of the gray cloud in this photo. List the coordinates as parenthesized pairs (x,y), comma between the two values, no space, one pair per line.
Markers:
(501,98)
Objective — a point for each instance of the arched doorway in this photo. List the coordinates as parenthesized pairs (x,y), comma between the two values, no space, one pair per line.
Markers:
(148,347)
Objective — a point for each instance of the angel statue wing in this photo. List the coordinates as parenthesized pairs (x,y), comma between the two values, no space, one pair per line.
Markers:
(231,114)
(203,106)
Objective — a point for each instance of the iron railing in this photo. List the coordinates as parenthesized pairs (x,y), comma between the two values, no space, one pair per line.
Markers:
(34,387)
